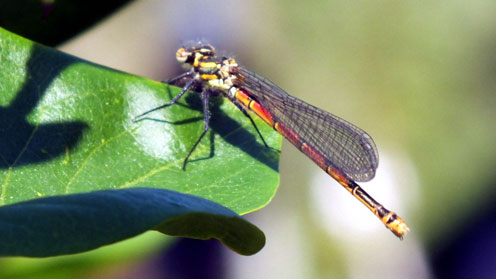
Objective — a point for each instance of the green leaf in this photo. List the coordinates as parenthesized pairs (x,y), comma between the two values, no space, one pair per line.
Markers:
(66,127)
(80,222)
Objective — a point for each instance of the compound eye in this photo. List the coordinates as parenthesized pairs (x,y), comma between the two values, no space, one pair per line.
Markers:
(184,56)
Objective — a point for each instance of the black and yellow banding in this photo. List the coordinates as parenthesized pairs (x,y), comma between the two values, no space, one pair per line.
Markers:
(392,221)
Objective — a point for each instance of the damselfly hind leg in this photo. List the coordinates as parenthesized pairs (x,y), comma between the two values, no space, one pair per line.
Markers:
(252,123)
(206,117)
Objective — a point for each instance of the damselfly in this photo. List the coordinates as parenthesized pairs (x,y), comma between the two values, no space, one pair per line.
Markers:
(344,151)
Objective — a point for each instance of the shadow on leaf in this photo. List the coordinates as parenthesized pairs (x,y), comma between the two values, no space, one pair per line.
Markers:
(23,143)
(224,125)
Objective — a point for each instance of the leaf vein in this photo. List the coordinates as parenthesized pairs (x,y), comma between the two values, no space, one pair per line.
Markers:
(87,159)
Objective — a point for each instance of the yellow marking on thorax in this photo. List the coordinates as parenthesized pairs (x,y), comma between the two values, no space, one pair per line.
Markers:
(208,64)
(208,77)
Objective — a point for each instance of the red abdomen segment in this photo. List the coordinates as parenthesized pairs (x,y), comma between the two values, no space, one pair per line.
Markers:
(392,221)
(254,106)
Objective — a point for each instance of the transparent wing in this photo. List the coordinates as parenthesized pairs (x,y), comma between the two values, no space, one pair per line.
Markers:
(343,144)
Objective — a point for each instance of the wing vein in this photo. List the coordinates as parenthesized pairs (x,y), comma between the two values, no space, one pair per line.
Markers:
(343,144)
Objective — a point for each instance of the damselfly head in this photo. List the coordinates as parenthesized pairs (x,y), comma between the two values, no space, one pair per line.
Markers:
(188,55)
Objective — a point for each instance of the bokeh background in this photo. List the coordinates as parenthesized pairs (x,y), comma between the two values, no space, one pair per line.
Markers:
(419,76)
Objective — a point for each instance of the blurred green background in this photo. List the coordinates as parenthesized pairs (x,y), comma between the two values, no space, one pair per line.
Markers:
(419,76)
